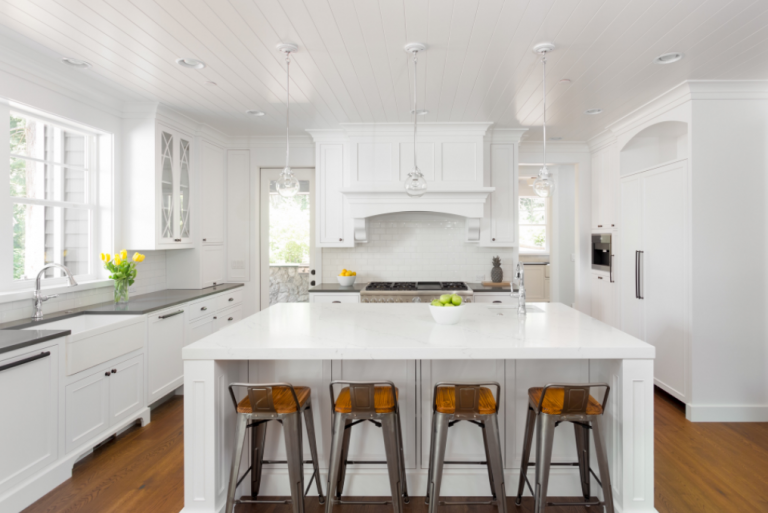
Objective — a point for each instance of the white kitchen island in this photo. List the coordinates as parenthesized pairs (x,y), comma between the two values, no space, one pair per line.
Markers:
(311,344)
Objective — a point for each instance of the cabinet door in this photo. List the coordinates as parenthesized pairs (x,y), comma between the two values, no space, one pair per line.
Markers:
(126,389)
(330,202)
(201,328)
(165,338)
(534,283)
(87,409)
(597,162)
(228,317)
(29,402)
(168,156)
(212,194)
(183,192)
(503,201)
(213,265)
(632,307)
(601,298)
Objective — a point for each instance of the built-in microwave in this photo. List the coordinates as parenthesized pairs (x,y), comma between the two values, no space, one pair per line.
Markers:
(601,252)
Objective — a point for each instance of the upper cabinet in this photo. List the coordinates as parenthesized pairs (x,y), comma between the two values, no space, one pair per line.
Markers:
(156,186)
(605,182)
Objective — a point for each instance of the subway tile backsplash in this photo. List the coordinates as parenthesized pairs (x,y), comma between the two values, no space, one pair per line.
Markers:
(414,246)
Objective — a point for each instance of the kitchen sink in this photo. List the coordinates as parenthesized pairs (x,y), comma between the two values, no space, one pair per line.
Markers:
(96,339)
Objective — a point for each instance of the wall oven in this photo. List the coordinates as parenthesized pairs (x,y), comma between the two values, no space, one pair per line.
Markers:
(602,252)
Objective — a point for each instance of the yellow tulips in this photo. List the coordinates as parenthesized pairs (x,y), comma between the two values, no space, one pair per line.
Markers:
(138,257)
(122,271)
(124,255)
(118,260)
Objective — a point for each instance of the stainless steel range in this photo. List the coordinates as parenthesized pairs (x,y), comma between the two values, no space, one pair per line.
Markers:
(413,291)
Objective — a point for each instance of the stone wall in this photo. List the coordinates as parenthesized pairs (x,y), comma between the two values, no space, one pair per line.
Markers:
(287,284)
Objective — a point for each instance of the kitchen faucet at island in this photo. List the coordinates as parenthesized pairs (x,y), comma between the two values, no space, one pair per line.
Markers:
(520,275)
(39,298)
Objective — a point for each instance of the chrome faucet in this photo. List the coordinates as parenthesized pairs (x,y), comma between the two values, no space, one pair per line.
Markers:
(39,298)
(520,275)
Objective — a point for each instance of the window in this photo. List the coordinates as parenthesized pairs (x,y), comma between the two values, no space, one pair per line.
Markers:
(52,195)
(534,224)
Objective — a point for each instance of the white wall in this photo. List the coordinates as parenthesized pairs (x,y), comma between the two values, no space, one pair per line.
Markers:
(411,246)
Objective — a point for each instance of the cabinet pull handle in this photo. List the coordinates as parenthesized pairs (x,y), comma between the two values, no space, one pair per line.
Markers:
(231,319)
(114,371)
(25,360)
(214,317)
(497,302)
(599,277)
(204,308)
(336,301)
(107,374)
(231,299)
(613,225)
(204,240)
(176,240)
(610,268)
(599,225)
(641,256)
(171,314)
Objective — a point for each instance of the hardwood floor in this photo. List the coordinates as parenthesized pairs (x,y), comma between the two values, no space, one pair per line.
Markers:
(702,467)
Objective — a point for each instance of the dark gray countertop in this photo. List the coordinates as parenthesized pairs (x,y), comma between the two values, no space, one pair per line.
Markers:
(535,263)
(479,287)
(335,287)
(12,338)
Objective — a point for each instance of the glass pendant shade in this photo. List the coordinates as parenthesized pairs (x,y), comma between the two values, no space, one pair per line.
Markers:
(415,184)
(287,185)
(544,186)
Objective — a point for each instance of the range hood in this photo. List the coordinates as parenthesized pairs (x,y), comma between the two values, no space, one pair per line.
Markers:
(468,203)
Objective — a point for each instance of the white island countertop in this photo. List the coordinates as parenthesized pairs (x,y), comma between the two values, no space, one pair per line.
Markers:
(365,331)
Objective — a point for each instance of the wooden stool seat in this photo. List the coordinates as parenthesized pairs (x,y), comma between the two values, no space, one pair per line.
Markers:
(554,399)
(382,400)
(445,402)
(282,398)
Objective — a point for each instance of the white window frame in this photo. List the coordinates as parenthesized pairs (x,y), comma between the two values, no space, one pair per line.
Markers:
(95,203)
(547,227)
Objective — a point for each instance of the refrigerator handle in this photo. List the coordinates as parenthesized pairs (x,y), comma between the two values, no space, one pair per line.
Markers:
(637,292)
(640,256)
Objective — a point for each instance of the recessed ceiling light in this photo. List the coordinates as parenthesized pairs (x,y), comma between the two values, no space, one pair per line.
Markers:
(421,112)
(210,83)
(668,58)
(592,112)
(76,63)
(555,138)
(256,113)
(190,63)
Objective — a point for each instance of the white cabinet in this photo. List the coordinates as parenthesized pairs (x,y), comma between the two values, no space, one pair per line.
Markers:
(329,201)
(501,211)
(228,317)
(201,328)
(654,270)
(536,283)
(29,402)
(212,194)
(494,298)
(213,265)
(99,399)
(165,339)
(156,187)
(605,192)
(347,297)
(602,308)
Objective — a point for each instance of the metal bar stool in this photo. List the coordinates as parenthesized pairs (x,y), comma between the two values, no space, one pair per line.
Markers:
(366,401)
(551,405)
(263,403)
(472,402)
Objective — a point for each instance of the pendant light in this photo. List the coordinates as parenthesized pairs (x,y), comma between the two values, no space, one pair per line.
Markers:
(287,185)
(415,184)
(544,185)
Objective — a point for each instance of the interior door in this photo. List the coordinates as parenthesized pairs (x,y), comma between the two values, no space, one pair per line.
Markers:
(632,307)
(286,239)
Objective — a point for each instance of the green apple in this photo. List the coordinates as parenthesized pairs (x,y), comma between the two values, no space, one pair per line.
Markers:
(448,304)
(456,300)
(445,298)
(436,302)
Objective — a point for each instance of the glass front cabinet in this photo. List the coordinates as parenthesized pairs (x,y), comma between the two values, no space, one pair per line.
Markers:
(174,167)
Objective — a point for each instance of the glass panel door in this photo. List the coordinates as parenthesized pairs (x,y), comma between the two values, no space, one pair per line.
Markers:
(166,185)
(287,239)
(183,189)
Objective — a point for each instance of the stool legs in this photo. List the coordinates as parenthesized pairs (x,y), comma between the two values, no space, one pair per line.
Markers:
(310,422)
(495,465)
(431,452)
(545,432)
(294,451)
(530,424)
(344,457)
(602,462)
(242,421)
(439,439)
(258,439)
(391,438)
(400,444)
(334,465)
(582,448)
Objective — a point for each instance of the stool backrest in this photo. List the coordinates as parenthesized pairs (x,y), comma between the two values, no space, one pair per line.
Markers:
(575,396)
(362,395)
(467,396)
(261,396)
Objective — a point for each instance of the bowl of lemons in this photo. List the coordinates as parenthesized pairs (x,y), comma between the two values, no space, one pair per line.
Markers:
(447,309)
(346,278)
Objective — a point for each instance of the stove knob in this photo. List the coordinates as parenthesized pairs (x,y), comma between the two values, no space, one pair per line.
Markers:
(416,300)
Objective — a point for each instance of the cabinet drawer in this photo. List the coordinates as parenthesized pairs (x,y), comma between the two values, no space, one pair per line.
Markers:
(202,308)
(228,316)
(201,328)
(334,298)
(231,298)
(494,298)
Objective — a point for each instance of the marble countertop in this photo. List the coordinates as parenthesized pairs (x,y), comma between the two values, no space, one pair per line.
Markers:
(363,331)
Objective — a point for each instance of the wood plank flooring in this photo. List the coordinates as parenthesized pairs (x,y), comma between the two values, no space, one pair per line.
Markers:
(702,467)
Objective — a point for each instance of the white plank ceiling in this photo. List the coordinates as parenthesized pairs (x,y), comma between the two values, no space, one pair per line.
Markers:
(351,66)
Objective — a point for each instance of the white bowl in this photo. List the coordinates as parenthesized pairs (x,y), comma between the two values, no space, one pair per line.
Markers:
(446,314)
(346,281)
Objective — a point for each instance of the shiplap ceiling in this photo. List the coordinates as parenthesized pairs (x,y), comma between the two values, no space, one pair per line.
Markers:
(351,66)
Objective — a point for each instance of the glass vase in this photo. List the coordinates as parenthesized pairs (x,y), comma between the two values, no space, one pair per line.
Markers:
(121,291)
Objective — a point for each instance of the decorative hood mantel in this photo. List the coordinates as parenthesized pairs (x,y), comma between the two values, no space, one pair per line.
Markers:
(364,165)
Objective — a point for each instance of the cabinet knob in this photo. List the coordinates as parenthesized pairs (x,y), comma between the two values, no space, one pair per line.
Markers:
(231,299)
(493,239)
(107,374)
(312,272)
(312,283)
(204,308)
(613,225)
(231,319)
(599,225)
(215,317)
(341,240)
(114,371)
(204,240)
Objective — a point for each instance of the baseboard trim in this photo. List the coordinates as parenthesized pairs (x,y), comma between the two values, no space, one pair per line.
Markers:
(726,413)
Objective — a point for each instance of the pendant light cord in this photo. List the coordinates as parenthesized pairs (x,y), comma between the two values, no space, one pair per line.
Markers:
(287,106)
(544,128)
(415,112)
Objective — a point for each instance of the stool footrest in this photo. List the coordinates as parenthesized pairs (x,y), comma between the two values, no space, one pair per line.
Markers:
(250,501)
(465,463)
(349,462)
(378,503)
(467,503)
(355,423)
(595,503)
